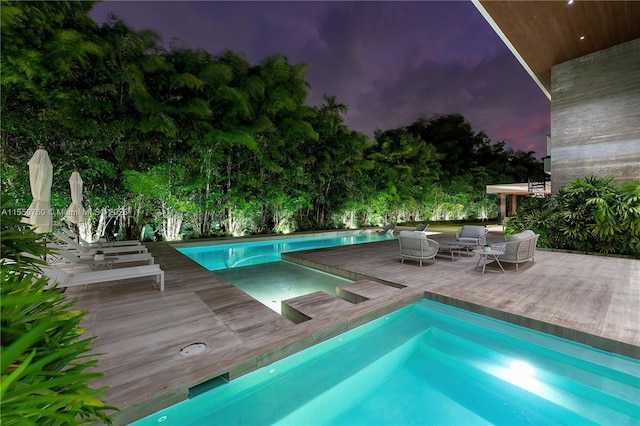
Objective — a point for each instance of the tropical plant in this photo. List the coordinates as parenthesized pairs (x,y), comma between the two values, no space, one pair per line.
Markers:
(533,214)
(589,214)
(43,359)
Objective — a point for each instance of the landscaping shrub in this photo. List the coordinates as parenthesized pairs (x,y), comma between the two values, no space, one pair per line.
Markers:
(589,214)
(44,360)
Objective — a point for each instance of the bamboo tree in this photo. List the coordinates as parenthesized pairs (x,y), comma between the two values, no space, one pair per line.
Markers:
(164,188)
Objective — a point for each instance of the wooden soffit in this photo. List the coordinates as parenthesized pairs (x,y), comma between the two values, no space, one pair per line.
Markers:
(542,34)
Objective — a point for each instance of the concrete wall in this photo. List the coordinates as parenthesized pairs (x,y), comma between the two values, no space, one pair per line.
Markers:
(595,116)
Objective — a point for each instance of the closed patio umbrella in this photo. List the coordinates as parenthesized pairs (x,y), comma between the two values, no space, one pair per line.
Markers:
(40,176)
(75,213)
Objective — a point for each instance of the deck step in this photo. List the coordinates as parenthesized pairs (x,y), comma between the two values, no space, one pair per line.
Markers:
(364,290)
(317,304)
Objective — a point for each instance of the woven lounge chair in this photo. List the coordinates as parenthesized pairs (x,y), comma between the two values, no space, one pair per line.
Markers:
(472,234)
(518,248)
(416,246)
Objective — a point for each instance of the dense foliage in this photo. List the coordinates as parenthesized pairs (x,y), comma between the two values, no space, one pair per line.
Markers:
(588,215)
(44,360)
(175,142)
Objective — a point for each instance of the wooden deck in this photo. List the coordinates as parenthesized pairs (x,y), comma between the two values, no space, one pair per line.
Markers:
(140,330)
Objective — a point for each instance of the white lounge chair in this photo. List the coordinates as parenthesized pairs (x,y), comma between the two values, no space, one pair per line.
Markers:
(67,279)
(71,244)
(69,257)
(388,229)
(421,227)
(416,246)
(100,244)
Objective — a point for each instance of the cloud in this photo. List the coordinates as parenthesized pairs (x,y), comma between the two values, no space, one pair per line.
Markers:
(496,96)
(390,62)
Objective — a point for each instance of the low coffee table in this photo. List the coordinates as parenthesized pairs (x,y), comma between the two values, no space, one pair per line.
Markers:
(489,254)
(451,247)
(456,246)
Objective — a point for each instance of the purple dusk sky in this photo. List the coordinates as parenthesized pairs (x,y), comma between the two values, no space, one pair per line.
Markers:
(389,62)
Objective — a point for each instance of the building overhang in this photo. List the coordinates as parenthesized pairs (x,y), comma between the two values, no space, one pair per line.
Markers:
(542,34)
(514,188)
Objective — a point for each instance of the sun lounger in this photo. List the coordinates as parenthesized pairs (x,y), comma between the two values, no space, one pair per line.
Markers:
(70,258)
(388,229)
(99,244)
(66,279)
(71,244)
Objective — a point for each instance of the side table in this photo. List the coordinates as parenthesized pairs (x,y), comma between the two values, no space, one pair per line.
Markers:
(108,261)
(489,255)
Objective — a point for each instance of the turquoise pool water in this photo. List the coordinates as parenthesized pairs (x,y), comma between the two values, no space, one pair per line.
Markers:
(271,283)
(225,256)
(426,364)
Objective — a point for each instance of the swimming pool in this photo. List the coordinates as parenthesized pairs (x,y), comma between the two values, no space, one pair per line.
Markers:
(271,283)
(215,257)
(426,364)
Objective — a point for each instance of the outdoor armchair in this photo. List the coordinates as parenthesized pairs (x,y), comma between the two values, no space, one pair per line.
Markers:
(518,248)
(472,234)
(416,246)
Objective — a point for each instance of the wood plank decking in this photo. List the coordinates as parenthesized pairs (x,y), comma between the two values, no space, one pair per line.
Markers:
(140,330)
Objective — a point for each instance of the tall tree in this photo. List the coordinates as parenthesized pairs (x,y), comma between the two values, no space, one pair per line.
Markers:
(406,167)
(44,44)
(334,109)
